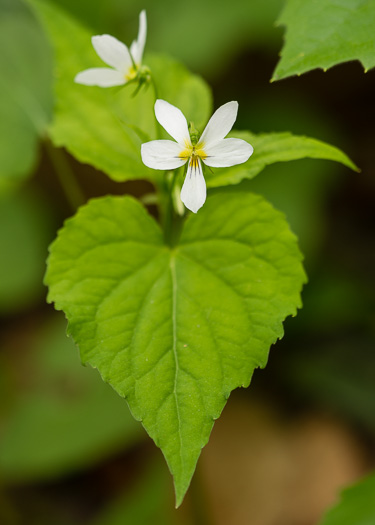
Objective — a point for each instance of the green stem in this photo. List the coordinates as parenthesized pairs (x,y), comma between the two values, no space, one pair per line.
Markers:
(172,222)
(156,97)
(169,212)
(64,172)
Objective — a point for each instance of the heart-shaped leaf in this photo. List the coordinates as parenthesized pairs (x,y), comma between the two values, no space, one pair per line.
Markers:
(175,330)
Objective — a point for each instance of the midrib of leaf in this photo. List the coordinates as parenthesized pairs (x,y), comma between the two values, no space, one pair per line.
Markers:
(172,266)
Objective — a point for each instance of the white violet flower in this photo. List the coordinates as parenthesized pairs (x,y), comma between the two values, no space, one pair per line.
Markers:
(124,63)
(211,148)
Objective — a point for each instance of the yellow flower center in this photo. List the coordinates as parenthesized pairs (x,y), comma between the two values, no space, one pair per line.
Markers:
(194,153)
(131,73)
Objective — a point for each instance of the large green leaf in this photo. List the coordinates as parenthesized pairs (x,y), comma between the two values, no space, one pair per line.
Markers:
(175,330)
(357,505)
(275,147)
(106,127)
(25,88)
(322,33)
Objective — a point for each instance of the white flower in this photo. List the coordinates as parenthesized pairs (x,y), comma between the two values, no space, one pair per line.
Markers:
(211,148)
(124,63)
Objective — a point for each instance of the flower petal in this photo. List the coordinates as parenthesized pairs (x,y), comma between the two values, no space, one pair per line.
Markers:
(220,124)
(173,121)
(193,192)
(227,152)
(162,155)
(100,76)
(112,52)
(137,47)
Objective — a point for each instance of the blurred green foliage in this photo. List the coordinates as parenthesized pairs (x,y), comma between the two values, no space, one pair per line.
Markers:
(25,89)
(203,35)
(356,506)
(333,374)
(26,227)
(150,500)
(57,416)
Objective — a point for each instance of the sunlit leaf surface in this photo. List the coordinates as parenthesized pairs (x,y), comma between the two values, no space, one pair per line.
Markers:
(322,33)
(270,148)
(175,330)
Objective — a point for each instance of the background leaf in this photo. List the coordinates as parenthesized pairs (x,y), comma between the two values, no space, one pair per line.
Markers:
(222,32)
(176,330)
(26,229)
(150,501)
(25,88)
(106,127)
(357,505)
(322,33)
(58,416)
(275,147)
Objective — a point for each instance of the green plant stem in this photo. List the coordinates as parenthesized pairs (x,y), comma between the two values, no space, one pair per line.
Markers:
(172,222)
(156,96)
(169,211)
(72,191)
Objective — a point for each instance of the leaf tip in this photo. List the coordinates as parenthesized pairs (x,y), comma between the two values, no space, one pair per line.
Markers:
(180,495)
(353,166)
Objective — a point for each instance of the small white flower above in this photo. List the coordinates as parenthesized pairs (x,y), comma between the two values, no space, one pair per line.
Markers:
(124,63)
(211,148)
